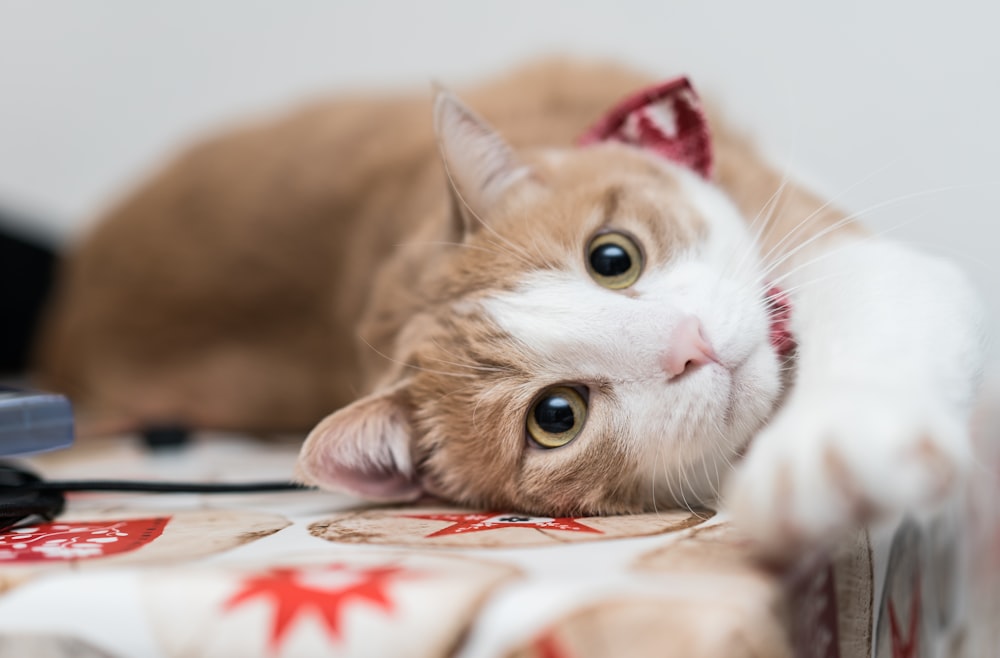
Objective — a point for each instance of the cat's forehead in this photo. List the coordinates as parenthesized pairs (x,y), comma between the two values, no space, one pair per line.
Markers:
(574,194)
(533,249)
(613,179)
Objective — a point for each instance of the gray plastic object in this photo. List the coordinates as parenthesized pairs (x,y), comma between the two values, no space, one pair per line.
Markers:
(31,421)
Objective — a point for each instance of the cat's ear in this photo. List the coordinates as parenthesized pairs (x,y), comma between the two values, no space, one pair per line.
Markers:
(480,164)
(363,450)
(667,120)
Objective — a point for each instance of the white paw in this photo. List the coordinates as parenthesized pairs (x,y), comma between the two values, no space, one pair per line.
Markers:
(830,462)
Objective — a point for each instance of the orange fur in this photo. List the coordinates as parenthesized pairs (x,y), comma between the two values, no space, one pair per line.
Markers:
(283,270)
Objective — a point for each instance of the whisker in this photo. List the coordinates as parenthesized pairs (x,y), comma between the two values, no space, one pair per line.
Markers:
(816,213)
(412,366)
(475,409)
(669,482)
(463,245)
(833,227)
(839,248)
(470,366)
(764,230)
(458,193)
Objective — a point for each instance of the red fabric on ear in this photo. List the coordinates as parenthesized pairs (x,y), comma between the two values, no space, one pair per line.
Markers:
(666,119)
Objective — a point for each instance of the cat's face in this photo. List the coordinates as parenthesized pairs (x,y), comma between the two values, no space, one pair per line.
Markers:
(597,341)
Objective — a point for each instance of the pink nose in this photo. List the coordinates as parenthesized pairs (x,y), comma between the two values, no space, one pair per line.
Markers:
(687,348)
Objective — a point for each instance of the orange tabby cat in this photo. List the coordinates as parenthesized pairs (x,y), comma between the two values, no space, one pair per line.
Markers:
(504,319)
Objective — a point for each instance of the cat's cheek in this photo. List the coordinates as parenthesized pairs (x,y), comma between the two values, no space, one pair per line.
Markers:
(830,462)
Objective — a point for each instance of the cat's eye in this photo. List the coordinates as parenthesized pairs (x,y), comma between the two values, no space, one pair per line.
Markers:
(614,260)
(557,417)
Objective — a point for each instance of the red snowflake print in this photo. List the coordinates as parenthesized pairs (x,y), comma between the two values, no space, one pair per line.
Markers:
(463,523)
(78,540)
(291,595)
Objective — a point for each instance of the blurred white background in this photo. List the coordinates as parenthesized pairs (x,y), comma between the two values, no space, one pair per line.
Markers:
(889,106)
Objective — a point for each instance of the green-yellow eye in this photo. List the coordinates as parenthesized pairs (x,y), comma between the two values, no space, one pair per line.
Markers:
(556,417)
(614,260)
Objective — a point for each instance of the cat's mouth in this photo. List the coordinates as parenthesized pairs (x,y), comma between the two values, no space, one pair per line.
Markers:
(779,311)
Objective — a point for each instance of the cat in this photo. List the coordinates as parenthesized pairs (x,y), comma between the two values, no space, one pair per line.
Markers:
(500,317)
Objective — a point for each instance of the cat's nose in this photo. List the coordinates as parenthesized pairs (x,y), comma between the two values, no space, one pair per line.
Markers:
(687,348)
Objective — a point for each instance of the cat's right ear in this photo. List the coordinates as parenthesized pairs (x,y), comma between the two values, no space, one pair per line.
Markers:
(481,166)
(363,450)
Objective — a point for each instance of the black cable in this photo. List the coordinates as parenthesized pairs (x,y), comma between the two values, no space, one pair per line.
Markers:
(66,486)
(24,496)
(20,504)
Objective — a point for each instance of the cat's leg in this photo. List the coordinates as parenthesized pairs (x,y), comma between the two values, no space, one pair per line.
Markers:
(889,352)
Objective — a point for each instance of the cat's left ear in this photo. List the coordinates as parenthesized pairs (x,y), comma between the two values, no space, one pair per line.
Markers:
(364,450)
(480,164)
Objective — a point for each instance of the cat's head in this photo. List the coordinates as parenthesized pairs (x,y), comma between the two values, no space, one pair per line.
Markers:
(597,340)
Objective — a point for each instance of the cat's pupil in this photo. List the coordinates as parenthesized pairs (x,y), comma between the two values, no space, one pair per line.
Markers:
(554,414)
(610,260)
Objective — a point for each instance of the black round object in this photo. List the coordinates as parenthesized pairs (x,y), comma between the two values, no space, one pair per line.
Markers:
(554,414)
(610,260)
(166,437)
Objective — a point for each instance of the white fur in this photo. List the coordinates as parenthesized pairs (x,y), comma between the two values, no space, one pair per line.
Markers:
(684,431)
(889,351)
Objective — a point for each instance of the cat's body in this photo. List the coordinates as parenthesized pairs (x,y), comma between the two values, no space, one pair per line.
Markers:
(283,271)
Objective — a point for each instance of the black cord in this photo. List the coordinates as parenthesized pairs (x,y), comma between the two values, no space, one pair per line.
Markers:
(25,496)
(66,486)
(20,504)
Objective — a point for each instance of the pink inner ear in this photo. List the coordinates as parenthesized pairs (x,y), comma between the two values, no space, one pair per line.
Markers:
(666,119)
(363,449)
(374,483)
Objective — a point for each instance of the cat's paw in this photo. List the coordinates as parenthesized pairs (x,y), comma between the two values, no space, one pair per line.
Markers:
(830,462)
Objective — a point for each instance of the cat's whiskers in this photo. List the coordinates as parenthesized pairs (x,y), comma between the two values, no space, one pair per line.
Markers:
(546,261)
(466,364)
(413,366)
(764,230)
(459,389)
(751,258)
(660,460)
(652,479)
(463,245)
(458,194)
(757,227)
(482,396)
(469,366)
(767,283)
(704,467)
(687,483)
(720,450)
(878,234)
(785,256)
(806,284)
(514,253)
(962,255)
(764,283)
(793,234)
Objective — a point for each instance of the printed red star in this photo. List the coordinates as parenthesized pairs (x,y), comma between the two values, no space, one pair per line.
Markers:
(906,648)
(291,598)
(462,523)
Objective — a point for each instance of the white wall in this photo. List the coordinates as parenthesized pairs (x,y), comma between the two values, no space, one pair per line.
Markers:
(885,103)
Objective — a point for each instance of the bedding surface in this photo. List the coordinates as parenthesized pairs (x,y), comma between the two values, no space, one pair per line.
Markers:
(306,573)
